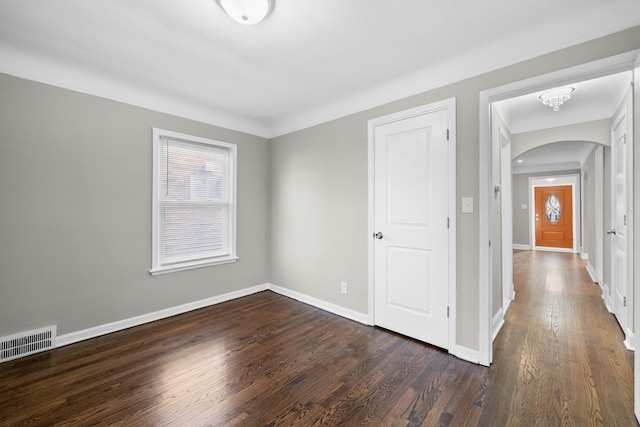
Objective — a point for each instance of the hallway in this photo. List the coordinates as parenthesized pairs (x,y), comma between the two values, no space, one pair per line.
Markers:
(560,351)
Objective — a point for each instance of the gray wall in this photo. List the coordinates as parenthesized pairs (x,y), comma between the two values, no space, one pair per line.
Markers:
(521,216)
(75,178)
(315,246)
(75,216)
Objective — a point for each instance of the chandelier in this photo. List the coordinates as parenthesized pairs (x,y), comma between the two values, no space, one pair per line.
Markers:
(554,98)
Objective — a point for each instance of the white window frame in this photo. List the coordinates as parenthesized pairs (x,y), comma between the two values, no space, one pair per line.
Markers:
(157,265)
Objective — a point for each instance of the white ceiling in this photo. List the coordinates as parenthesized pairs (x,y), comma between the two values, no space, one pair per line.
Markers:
(559,156)
(594,99)
(308,62)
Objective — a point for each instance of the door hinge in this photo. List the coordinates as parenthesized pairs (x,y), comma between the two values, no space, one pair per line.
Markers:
(625,219)
(624,301)
(447,134)
(447,311)
(447,222)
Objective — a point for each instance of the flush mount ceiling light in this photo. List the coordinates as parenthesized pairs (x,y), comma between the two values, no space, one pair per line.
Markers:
(554,98)
(247,12)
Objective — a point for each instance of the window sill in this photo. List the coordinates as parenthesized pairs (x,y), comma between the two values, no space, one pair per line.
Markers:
(190,266)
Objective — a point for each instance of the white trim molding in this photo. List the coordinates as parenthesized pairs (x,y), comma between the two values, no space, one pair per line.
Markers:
(521,247)
(467,354)
(322,305)
(629,339)
(498,322)
(119,325)
(563,179)
(606,297)
(592,272)
(458,351)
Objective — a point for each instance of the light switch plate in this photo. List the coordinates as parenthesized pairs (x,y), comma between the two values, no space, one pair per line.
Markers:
(467,205)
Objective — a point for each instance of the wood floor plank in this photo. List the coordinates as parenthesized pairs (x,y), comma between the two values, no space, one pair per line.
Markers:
(267,360)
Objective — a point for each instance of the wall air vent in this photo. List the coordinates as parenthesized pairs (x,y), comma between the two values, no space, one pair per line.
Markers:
(26,343)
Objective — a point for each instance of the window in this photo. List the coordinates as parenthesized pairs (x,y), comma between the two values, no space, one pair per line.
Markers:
(552,209)
(194,202)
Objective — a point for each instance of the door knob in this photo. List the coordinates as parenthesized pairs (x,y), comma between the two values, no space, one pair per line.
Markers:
(378,235)
(611,231)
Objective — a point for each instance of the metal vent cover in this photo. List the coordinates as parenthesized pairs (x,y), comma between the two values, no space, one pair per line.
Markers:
(26,343)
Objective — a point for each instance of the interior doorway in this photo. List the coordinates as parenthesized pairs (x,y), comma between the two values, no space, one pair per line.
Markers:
(606,67)
(625,62)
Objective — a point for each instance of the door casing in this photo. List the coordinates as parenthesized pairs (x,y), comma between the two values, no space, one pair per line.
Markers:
(506,217)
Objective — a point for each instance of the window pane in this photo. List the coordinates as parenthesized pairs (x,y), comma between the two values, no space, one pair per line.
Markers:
(193,231)
(193,172)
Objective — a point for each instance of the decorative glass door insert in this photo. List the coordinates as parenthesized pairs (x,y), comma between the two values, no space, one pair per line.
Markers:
(552,208)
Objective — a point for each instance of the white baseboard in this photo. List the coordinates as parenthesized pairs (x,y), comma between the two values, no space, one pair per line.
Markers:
(323,305)
(521,247)
(584,255)
(108,328)
(467,354)
(458,351)
(461,352)
(605,296)
(630,340)
(498,322)
(506,302)
(550,249)
(119,325)
(592,272)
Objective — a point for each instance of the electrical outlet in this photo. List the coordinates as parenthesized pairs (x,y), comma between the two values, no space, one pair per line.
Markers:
(343,287)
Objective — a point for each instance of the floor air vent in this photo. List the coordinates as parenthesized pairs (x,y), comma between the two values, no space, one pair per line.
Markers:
(27,343)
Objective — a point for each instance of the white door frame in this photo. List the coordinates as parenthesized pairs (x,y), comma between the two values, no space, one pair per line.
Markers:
(603,67)
(572,179)
(506,223)
(599,217)
(636,229)
(450,106)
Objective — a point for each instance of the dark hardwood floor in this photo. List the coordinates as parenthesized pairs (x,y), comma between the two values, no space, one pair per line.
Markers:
(266,360)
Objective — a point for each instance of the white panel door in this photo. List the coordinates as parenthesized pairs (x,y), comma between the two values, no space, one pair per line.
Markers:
(410,222)
(618,232)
